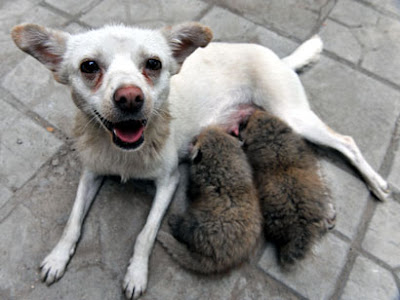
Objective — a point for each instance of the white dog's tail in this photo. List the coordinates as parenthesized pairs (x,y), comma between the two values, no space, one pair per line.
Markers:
(184,257)
(306,54)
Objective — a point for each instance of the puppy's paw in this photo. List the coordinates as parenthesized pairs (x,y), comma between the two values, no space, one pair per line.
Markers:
(135,282)
(286,260)
(290,254)
(54,265)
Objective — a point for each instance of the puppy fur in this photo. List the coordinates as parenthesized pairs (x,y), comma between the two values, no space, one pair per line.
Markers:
(292,195)
(222,225)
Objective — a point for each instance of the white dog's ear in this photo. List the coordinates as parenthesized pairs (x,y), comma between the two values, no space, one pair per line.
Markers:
(185,38)
(46,45)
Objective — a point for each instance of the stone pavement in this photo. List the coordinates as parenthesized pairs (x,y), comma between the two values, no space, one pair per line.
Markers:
(355,88)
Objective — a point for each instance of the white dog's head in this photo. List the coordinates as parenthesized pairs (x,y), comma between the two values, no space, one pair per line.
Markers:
(119,75)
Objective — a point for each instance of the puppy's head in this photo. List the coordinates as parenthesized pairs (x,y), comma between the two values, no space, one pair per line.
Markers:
(218,161)
(261,127)
(119,76)
(212,146)
(270,142)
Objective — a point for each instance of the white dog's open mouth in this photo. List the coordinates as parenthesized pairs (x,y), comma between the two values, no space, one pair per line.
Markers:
(127,135)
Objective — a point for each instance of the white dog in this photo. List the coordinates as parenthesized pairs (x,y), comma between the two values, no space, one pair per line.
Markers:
(136,121)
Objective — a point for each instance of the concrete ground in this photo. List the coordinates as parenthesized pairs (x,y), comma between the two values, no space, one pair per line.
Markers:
(355,88)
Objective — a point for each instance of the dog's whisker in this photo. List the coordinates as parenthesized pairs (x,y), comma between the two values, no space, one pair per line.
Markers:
(160,112)
(92,119)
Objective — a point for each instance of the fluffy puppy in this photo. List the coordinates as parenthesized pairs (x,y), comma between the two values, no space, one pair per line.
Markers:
(221,227)
(292,195)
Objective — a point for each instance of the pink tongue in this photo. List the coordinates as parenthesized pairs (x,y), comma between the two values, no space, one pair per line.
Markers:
(129,135)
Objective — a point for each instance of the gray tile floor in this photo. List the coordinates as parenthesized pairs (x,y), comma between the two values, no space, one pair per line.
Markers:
(355,88)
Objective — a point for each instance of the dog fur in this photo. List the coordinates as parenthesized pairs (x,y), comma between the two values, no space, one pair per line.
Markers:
(212,81)
(223,222)
(294,199)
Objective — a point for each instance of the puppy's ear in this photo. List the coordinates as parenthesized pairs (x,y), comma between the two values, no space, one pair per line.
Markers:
(195,153)
(197,156)
(185,38)
(46,45)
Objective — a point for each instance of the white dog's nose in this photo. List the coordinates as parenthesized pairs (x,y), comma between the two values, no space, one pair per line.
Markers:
(129,98)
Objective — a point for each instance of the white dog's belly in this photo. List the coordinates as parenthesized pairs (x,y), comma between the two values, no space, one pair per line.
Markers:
(215,80)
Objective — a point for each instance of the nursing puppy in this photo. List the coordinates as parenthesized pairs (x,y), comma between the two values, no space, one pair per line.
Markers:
(293,197)
(223,222)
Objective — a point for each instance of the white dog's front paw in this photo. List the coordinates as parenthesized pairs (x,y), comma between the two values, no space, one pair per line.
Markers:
(53,266)
(135,281)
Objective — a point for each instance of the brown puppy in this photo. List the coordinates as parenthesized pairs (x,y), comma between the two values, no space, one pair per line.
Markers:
(223,222)
(293,197)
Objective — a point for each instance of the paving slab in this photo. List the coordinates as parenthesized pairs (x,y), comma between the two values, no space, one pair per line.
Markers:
(151,13)
(168,281)
(369,281)
(25,229)
(5,194)
(384,59)
(392,6)
(315,277)
(72,7)
(19,248)
(51,193)
(348,193)
(354,14)
(354,104)
(381,239)
(74,28)
(280,45)
(229,27)
(121,211)
(88,282)
(341,40)
(376,34)
(33,227)
(34,85)
(294,18)
(394,176)
(25,146)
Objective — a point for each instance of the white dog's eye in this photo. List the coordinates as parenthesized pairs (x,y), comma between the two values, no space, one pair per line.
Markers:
(90,66)
(153,64)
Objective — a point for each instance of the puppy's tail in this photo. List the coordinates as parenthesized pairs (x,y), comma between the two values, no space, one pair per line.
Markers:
(307,53)
(188,260)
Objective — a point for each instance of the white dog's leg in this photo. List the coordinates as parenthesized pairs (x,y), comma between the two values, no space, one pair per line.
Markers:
(53,266)
(308,124)
(135,281)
